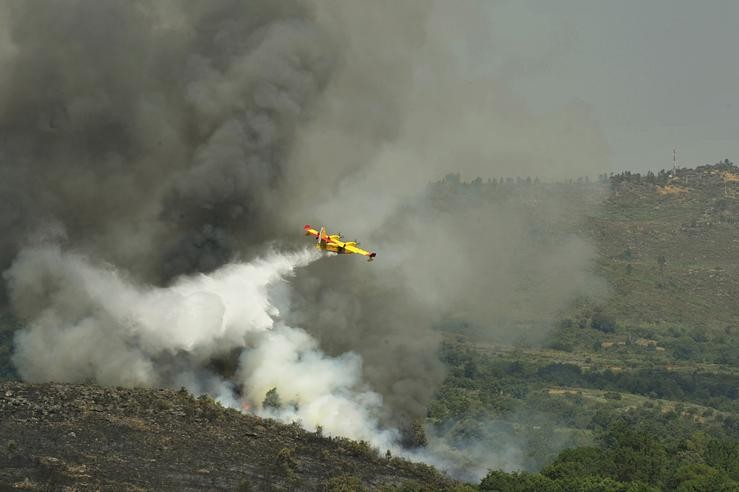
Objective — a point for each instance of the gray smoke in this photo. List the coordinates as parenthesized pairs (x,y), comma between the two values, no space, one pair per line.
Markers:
(99,326)
(168,139)
(159,137)
(155,133)
(398,115)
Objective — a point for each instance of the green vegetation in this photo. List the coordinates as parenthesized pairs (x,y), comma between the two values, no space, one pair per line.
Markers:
(342,483)
(633,458)
(637,390)
(678,236)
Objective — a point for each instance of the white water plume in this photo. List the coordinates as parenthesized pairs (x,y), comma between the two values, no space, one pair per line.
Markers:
(88,322)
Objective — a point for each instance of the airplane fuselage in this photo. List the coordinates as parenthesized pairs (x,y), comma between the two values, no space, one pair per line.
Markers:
(333,248)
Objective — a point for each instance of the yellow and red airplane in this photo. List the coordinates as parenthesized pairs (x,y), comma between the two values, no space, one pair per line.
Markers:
(333,242)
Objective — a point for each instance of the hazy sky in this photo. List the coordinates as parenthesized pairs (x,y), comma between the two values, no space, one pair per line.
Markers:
(656,74)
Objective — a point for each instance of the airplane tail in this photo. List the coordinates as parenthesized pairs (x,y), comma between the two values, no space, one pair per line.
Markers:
(372,256)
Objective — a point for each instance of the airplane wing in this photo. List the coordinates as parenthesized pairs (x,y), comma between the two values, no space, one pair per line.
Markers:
(310,231)
(359,251)
(323,236)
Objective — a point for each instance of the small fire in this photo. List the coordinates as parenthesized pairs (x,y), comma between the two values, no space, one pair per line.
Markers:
(245,407)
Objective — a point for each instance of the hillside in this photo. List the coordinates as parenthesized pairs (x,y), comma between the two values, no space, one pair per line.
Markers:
(91,438)
(658,352)
(668,247)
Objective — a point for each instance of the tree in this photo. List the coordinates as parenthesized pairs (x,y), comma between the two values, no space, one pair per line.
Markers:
(699,476)
(684,348)
(636,455)
(602,322)
(272,400)
(470,369)
(343,483)
(518,482)
(415,435)
(580,462)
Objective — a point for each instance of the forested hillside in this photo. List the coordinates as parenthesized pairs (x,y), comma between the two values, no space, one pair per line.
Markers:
(640,384)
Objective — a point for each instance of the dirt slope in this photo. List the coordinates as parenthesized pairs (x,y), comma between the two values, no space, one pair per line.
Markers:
(54,436)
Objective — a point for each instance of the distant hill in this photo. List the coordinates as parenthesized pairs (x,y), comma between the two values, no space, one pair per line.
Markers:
(668,246)
(666,242)
(659,352)
(86,437)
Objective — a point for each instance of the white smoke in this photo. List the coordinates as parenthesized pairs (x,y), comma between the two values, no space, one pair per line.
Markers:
(317,390)
(97,325)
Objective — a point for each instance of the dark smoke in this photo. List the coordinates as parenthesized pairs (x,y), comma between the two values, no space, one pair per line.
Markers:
(156,136)
(169,138)
(154,133)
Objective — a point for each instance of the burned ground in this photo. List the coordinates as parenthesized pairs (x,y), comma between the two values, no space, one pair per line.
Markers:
(91,438)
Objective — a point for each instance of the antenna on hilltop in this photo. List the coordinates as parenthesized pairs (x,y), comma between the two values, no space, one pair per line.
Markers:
(674,162)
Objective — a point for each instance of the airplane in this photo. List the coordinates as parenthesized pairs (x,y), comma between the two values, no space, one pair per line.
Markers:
(333,242)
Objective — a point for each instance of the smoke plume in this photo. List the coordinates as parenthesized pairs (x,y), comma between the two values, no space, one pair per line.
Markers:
(153,153)
(99,326)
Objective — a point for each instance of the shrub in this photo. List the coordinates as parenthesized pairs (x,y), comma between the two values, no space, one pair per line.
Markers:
(602,322)
(272,399)
(342,483)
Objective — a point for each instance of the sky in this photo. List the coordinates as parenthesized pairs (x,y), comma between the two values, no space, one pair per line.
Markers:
(655,75)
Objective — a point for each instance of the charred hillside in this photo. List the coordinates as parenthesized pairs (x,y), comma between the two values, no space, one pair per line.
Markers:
(89,437)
